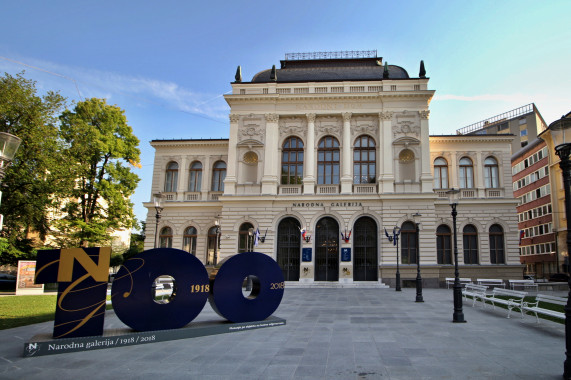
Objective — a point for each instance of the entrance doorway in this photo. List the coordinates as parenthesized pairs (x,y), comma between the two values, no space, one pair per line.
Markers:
(366,263)
(289,247)
(327,250)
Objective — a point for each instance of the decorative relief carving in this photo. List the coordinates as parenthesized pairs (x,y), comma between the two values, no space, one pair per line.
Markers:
(362,125)
(272,117)
(292,126)
(386,115)
(251,131)
(406,129)
(234,118)
(424,114)
(328,125)
(347,116)
(310,117)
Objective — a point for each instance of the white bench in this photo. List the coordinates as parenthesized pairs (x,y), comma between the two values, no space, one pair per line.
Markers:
(514,299)
(477,292)
(493,282)
(463,281)
(534,307)
(523,283)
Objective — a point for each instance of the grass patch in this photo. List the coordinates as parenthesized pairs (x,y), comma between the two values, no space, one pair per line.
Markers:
(16,311)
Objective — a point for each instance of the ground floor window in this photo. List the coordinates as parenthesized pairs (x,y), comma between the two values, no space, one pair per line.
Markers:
(408,243)
(443,245)
(470,240)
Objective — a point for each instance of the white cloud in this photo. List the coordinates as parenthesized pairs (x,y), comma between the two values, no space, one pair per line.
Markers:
(103,84)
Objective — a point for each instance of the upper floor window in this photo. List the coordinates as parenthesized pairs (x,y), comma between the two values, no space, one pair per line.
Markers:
(328,161)
(165,238)
(364,160)
(218,176)
(466,173)
(491,175)
(195,177)
(292,161)
(171,179)
(189,240)
(440,173)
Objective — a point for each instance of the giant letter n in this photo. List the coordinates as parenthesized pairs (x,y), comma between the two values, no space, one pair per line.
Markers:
(81,274)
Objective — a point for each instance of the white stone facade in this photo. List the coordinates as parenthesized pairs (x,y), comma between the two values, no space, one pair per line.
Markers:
(394,115)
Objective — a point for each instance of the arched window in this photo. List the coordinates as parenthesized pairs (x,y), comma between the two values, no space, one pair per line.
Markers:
(406,165)
(440,173)
(165,238)
(408,243)
(218,176)
(497,255)
(470,239)
(328,161)
(292,161)
(195,177)
(364,160)
(443,245)
(466,173)
(491,173)
(213,245)
(189,240)
(245,238)
(171,179)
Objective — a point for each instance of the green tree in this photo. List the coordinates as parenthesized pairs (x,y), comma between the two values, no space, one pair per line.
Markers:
(33,183)
(102,148)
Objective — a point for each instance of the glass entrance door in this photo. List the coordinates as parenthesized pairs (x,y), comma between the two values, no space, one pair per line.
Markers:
(289,247)
(365,260)
(327,250)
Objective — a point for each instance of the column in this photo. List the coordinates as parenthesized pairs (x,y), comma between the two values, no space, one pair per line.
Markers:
(309,162)
(387,177)
(271,149)
(479,176)
(182,184)
(426,179)
(346,162)
(230,180)
(206,177)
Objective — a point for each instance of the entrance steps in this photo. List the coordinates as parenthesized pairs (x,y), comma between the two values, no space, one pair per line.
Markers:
(335,284)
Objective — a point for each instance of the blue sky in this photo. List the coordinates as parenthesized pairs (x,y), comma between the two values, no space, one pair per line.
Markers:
(168,63)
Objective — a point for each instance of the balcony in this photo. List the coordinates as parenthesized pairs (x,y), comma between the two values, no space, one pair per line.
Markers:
(290,189)
(327,189)
(191,196)
(365,189)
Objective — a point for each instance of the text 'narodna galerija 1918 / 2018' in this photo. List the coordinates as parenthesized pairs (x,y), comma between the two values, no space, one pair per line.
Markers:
(82,275)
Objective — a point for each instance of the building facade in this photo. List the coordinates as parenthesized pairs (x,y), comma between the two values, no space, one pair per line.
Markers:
(324,155)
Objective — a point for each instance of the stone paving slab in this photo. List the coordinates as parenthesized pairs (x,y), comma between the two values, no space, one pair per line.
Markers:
(330,334)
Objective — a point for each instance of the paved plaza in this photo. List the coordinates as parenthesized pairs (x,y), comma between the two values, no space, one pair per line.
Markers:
(330,334)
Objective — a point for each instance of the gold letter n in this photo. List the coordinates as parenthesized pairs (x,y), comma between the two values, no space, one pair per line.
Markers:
(99,272)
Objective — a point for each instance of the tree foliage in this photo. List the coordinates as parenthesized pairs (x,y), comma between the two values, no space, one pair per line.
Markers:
(100,145)
(36,177)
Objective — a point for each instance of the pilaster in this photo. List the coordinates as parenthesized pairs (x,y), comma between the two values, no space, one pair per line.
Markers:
(346,162)
(309,164)
(231,167)
(387,177)
(426,179)
(270,177)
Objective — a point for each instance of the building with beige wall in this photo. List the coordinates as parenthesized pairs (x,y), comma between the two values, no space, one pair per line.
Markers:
(323,155)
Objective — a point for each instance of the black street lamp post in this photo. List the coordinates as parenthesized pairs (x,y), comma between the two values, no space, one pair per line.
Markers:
(158,198)
(395,240)
(563,150)
(458,316)
(419,298)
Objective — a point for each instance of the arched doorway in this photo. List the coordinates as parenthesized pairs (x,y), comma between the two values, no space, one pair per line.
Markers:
(289,246)
(327,250)
(366,262)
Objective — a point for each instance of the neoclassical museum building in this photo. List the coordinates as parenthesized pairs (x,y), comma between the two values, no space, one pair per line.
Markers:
(326,153)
